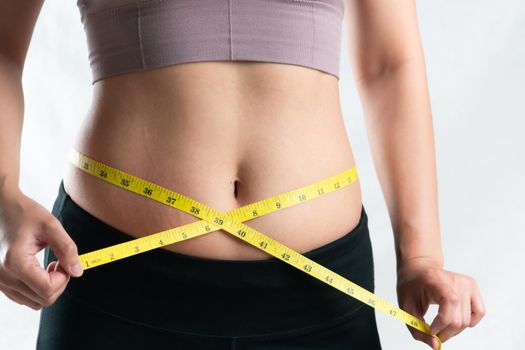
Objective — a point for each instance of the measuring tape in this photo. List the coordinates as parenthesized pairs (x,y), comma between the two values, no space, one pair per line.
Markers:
(231,222)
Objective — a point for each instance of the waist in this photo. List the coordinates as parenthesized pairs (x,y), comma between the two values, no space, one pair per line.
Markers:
(224,160)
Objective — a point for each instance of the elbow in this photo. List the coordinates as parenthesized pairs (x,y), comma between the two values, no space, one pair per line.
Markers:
(370,72)
(11,65)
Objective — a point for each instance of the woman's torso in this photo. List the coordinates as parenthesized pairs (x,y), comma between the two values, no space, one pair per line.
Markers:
(197,128)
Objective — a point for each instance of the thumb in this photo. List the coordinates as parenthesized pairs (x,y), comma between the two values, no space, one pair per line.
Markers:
(64,248)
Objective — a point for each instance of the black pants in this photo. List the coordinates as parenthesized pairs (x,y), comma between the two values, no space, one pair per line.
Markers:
(165,300)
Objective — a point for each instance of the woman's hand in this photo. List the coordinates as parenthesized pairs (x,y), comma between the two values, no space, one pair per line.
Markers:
(26,227)
(421,282)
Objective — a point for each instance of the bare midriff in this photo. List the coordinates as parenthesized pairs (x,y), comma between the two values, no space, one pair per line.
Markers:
(226,134)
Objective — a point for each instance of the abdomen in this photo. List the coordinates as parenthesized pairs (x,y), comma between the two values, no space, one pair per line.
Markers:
(225,134)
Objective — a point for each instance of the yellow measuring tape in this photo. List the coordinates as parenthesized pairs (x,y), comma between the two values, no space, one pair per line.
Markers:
(231,222)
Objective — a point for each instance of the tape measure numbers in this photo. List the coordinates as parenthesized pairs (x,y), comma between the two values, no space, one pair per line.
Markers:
(231,222)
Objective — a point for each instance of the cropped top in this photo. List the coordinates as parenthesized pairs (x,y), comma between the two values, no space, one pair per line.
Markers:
(131,35)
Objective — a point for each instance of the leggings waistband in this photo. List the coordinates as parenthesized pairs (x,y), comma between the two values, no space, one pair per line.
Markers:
(170,290)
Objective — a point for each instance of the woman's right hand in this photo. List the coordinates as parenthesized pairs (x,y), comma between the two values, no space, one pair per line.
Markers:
(26,227)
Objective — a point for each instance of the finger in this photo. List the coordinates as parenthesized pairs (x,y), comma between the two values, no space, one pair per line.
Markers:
(416,311)
(424,337)
(477,306)
(448,303)
(53,269)
(10,282)
(63,246)
(13,283)
(434,343)
(466,312)
(28,270)
(454,325)
(51,266)
(55,266)
(21,299)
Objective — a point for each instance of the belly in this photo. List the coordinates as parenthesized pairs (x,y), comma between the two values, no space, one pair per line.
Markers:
(226,134)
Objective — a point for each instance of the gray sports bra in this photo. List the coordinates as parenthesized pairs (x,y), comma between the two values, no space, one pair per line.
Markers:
(131,35)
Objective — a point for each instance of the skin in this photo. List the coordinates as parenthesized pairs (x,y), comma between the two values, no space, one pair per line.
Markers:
(151,124)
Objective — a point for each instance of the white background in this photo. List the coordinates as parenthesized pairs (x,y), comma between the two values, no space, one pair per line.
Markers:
(475,56)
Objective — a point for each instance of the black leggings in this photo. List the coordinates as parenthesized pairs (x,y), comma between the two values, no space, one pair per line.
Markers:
(165,300)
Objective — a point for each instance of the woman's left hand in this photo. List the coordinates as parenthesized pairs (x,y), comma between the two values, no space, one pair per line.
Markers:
(421,282)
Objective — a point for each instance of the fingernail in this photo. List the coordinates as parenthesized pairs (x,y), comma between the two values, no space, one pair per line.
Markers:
(77,270)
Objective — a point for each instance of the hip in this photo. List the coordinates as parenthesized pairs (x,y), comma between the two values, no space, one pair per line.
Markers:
(194,293)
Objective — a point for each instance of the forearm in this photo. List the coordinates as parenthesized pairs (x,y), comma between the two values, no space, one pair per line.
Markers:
(11,122)
(399,127)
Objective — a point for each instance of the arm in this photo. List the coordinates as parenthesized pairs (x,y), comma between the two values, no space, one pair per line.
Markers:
(388,62)
(391,79)
(25,226)
(17,21)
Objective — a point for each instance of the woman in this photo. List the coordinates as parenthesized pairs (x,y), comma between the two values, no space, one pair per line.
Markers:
(229,102)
